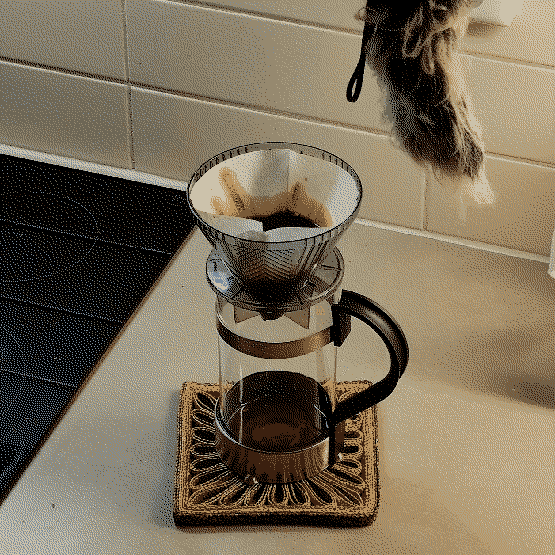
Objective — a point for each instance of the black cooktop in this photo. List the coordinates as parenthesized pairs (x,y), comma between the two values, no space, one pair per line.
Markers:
(78,253)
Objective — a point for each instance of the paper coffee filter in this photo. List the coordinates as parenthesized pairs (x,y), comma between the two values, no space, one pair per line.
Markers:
(263,182)
(263,173)
(328,184)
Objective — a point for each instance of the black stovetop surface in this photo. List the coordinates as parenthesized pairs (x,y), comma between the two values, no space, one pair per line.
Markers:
(78,253)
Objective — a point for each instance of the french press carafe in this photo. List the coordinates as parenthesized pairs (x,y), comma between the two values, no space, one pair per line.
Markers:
(273,213)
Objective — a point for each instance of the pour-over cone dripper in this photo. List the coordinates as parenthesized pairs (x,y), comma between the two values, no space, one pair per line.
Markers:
(241,195)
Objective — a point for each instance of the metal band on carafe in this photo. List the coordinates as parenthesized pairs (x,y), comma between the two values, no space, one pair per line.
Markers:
(287,349)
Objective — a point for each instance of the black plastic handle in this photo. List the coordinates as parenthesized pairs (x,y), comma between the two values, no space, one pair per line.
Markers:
(359,306)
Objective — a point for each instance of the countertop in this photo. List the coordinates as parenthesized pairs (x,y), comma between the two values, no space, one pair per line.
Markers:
(465,441)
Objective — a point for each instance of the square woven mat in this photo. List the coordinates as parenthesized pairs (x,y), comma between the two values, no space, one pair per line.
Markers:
(207,493)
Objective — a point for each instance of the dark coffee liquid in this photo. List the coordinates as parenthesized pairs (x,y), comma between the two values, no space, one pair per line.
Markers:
(277,411)
(285,218)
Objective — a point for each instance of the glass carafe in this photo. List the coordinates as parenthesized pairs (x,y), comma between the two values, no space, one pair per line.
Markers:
(277,418)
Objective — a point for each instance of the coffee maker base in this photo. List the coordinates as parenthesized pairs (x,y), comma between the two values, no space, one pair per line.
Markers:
(208,493)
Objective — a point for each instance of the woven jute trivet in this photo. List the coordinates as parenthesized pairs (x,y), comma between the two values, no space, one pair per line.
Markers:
(208,493)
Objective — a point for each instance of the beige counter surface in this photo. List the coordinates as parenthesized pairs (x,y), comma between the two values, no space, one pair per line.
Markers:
(466,440)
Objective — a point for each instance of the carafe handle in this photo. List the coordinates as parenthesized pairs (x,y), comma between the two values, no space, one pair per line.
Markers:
(369,312)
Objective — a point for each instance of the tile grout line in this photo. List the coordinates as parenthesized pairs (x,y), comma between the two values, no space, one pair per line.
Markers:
(126,62)
(424,202)
(478,245)
(502,59)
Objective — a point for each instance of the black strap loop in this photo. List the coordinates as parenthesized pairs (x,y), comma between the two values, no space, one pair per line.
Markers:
(356,79)
(358,75)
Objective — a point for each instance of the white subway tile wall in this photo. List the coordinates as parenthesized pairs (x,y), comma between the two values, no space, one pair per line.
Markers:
(68,115)
(160,86)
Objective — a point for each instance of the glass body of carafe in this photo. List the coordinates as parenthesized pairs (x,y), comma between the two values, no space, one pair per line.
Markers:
(277,391)
(277,418)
